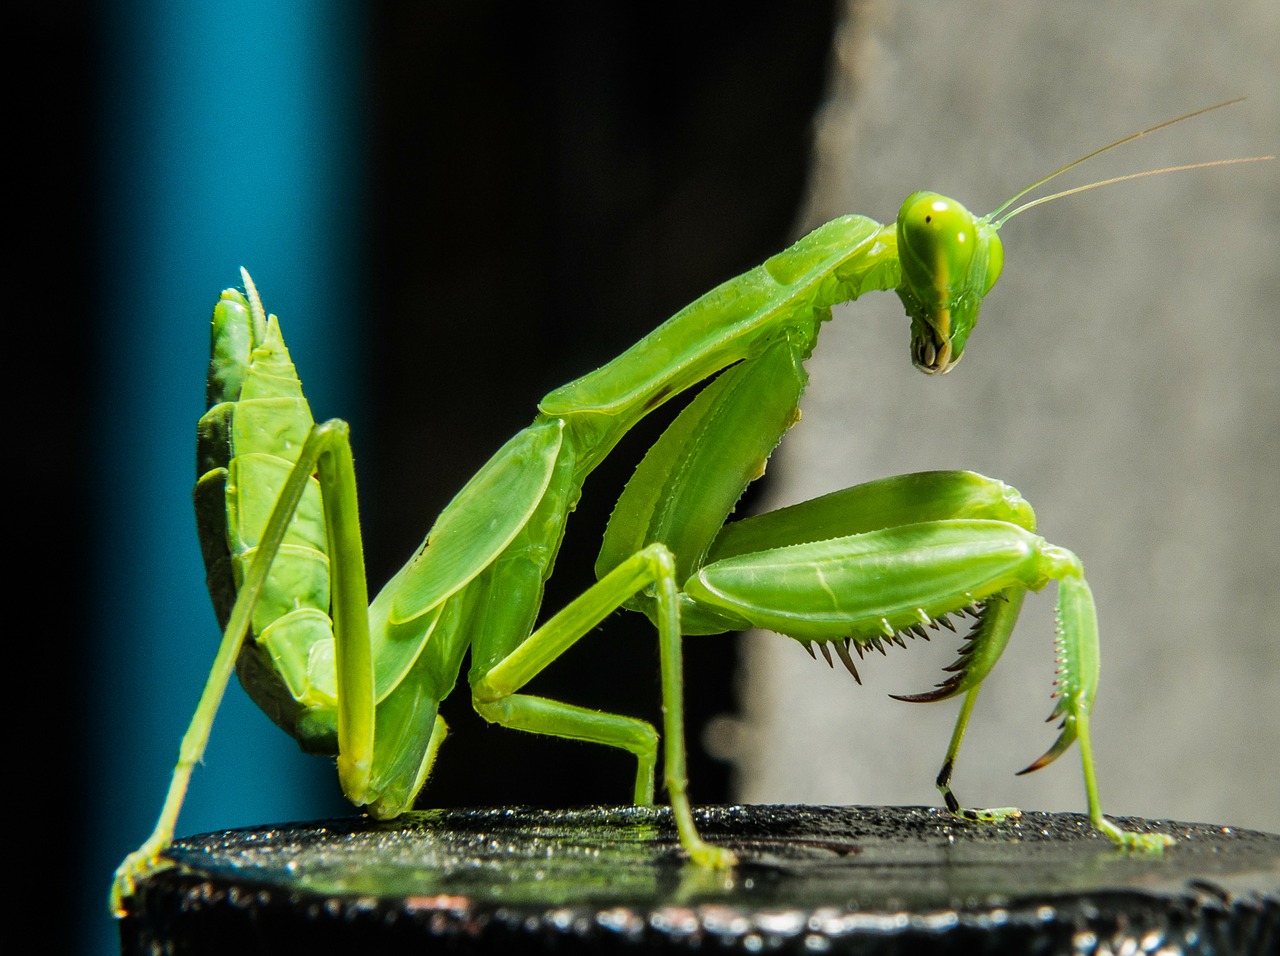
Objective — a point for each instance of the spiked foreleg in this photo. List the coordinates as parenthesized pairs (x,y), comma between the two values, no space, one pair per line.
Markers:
(894,502)
(1079,665)
(867,589)
(979,654)
(692,477)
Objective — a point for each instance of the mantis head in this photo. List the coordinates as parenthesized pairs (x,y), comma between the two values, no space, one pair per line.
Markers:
(950,259)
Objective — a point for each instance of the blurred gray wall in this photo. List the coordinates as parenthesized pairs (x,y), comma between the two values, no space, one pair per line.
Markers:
(1123,378)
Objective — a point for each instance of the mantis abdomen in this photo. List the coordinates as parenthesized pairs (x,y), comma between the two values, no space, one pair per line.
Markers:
(246,444)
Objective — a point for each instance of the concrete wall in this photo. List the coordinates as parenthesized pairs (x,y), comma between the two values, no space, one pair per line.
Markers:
(1123,378)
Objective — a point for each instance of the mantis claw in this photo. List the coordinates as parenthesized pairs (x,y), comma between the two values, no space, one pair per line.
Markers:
(1131,840)
(987,814)
(139,864)
(713,857)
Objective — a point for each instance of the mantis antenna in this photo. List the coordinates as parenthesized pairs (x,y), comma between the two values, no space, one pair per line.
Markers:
(1001,220)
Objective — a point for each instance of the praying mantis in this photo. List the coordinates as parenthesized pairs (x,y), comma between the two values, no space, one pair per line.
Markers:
(278,522)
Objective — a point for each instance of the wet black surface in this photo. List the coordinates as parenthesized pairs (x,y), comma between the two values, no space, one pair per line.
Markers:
(812,879)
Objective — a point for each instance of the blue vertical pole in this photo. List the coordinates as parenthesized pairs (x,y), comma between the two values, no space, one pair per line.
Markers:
(231,136)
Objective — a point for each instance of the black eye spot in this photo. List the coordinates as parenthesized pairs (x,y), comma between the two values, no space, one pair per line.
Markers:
(928,219)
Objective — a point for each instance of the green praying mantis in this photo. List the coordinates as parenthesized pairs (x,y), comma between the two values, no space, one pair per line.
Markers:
(277,517)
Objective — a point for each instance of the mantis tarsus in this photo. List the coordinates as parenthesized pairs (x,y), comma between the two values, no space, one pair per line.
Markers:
(277,515)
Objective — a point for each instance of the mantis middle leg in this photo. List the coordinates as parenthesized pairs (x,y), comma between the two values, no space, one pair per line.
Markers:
(496,698)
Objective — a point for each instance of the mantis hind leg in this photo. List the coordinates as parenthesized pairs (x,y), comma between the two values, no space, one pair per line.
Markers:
(495,692)
(327,449)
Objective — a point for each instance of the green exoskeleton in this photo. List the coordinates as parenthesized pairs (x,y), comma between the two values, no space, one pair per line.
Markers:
(277,515)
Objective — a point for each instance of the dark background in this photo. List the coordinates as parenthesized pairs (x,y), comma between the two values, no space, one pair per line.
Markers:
(565,182)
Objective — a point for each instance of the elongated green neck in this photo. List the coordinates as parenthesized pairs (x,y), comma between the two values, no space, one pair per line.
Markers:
(840,273)
(787,297)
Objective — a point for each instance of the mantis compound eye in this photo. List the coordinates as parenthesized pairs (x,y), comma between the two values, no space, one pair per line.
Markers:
(995,258)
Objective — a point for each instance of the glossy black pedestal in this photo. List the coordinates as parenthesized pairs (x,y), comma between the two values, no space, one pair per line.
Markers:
(812,880)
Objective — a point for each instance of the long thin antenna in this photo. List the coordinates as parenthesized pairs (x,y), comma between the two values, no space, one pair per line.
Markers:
(1123,179)
(1097,152)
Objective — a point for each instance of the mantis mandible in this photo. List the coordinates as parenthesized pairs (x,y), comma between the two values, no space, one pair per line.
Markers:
(277,516)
